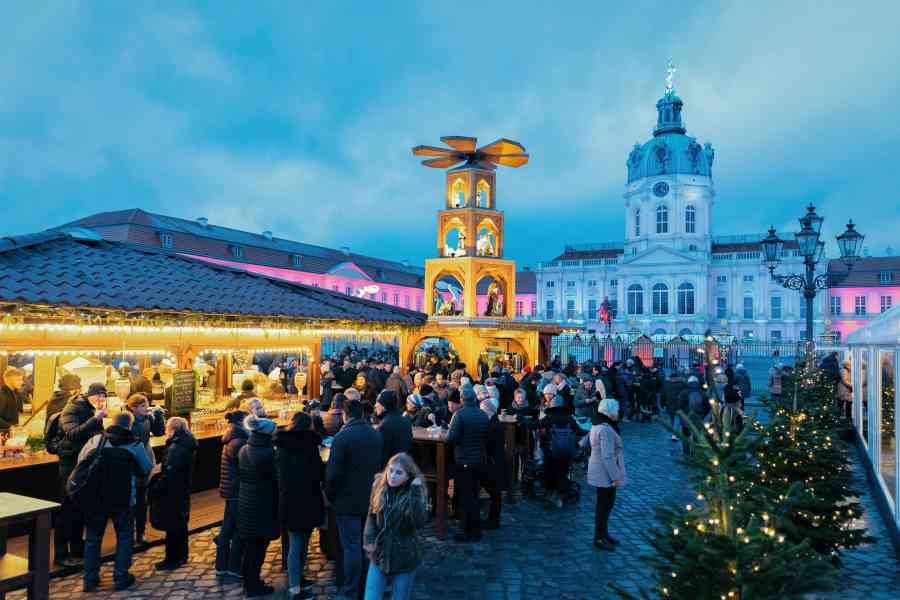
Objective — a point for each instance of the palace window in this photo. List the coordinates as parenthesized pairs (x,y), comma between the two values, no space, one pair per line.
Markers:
(886,302)
(835,305)
(721,308)
(662,219)
(860,306)
(548,309)
(518,308)
(533,308)
(551,284)
(635,300)
(592,309)
(166,240)
(405,301)
(748,307)
(396,299)
(721,279)
(614,308)
(775,335)
(637,222)
(686,299)
(349,290)
(776,307)
(236,251)
(660,299)
(296,260)
(690,220)
(748,278)
(570,309)
(885,277)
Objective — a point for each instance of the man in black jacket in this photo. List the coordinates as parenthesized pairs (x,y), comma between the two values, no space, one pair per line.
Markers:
(396,432)
(468,432)
(81,419)
(354,459)
(11,398)
(124,461)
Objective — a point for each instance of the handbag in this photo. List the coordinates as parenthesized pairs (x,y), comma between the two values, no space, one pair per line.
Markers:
(156,492)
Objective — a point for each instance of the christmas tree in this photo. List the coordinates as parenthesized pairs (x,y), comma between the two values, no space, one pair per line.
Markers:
(722,546)
(802,445)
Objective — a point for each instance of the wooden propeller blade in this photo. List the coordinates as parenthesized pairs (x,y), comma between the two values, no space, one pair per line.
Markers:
(433,151)
(442,163)
(503,146)
(508,160)
(460,142)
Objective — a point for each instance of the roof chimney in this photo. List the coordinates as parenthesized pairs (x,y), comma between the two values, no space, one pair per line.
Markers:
(405,263)
(202,221)
(345,250)
(267,235)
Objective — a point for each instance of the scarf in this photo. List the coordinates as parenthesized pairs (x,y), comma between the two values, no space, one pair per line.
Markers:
(601,418)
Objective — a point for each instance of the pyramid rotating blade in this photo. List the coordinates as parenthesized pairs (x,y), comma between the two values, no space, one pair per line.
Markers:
(503,146)
(508,160)
(433,151)
(442,163)
(460,142)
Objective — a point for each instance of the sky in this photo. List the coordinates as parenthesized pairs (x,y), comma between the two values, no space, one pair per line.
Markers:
(299,117)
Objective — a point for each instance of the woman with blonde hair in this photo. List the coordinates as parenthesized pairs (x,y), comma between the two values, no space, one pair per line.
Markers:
(398,509)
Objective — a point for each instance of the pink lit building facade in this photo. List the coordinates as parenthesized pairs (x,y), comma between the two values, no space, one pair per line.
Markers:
(389,282)
(871,287)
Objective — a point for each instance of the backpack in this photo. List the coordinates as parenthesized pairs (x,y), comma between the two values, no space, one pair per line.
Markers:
(85,483)
(562,442)
(697,403)
(53,434)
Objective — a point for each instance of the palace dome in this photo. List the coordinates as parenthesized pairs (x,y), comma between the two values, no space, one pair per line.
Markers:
(670,151)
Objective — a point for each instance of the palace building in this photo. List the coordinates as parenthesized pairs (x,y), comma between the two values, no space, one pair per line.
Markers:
(670,274)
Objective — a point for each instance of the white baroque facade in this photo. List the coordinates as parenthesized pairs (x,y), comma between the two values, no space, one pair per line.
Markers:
(670,275)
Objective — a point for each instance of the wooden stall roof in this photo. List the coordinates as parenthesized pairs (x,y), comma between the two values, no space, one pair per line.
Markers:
(67,269)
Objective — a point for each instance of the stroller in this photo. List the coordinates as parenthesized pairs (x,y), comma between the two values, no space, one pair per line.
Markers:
(533,472)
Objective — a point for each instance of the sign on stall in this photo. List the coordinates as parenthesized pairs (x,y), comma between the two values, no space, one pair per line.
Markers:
(182,397)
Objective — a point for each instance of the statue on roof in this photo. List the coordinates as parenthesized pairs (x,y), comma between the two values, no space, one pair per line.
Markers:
(670,78)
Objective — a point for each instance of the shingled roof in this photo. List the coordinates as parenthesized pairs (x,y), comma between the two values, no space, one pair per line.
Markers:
(866,272)
(142,228)
(55,268)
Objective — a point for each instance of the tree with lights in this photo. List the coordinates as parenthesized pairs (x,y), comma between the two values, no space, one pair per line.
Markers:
(802,445)
(721,546)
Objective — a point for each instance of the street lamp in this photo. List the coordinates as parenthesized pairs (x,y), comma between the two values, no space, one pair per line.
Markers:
(812,250)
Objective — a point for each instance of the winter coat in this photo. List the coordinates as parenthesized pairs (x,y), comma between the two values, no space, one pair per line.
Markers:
(468,433)
(496,471)
(124,461)
(78,423)
(742,383)
(300,472)
(354,459)
(585,403)
(671,392)
(396,435)
(845,386)
(396,538)
(607,461)
(775,382)
(154,424)
(11,404)
(555,416)
(57,402)
(232,442)
(684,399)
(333,420)
(257,517)
(177,479)
(395,382)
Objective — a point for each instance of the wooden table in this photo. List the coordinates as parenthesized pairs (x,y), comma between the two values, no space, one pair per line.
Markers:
(34,572)
(432,454)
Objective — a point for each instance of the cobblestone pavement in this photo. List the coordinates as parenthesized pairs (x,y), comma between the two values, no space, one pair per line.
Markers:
(539,552)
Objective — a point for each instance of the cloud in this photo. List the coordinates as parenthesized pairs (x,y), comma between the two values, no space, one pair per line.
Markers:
(300,119)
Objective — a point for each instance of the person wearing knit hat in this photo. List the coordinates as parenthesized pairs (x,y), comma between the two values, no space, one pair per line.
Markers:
(495,478)
(606,469)
(258,517)
(229,545)
(413,411)
(559,432)
(69,382)
(549,393)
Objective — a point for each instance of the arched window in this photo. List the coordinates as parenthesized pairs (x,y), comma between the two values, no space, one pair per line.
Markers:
(662,219)
(637,222)
(685,332)
(660,299)
(635,300)
(459,194)
(660,332)
(690,219)
(484,194)
(686,299)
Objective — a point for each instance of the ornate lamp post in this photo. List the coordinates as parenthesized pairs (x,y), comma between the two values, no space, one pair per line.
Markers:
(811,248)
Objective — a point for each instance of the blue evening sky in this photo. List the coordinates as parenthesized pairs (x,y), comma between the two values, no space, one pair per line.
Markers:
(299,117)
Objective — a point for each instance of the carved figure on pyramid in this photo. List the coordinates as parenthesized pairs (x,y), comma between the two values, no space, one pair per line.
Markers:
(495,306)
(484,246)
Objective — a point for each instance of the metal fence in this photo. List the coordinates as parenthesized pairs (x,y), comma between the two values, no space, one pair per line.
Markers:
(669,353)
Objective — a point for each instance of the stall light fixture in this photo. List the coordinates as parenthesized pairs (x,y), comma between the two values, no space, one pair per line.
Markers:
(164,353)
(218,351)
(184,329)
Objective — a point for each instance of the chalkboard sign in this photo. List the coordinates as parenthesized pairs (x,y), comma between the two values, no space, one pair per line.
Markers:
(182,397)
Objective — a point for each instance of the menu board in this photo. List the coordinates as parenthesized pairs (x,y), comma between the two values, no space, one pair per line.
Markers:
(183,393)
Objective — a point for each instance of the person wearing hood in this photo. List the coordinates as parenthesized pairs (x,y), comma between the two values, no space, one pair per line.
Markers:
(300,473)
(230,545)
(731,409)
(124,461)
(468,433)
(176,485)
(742,383)
(147,423)
(79,421)
(585,399)
(257,521)
(496,474)
(559,433)
(395,431)
(693,403)
(606,469)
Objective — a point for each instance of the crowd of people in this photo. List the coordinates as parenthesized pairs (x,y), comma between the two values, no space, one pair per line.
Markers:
(274,482)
